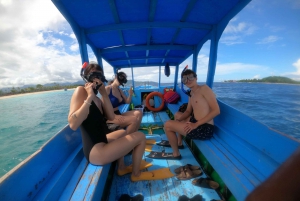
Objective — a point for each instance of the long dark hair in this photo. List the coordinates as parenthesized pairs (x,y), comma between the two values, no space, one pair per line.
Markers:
(91,67)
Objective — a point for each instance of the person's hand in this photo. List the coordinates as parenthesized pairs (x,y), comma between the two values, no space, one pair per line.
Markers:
(101,89)
(120,118)
(130,91)
(89,89)
(189,126)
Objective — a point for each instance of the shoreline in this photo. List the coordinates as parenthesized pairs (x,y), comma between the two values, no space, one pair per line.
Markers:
(25,94)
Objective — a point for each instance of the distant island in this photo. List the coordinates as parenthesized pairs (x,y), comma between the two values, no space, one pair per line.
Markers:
(57,86)
(270,79)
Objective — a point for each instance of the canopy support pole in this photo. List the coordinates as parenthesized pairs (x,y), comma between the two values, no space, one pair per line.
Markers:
(195,60)
(82,47)
(212,57)
(132,77)
(176,77)
(159,78)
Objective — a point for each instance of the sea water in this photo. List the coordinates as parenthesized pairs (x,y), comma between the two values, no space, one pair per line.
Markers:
(27,122)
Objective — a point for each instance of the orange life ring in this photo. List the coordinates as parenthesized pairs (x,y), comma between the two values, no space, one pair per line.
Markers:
(155,93)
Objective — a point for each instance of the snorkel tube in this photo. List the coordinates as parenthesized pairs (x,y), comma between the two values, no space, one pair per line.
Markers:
(188,92)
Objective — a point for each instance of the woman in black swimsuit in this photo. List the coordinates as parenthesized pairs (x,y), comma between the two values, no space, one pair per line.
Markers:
(130,119)
(101,147)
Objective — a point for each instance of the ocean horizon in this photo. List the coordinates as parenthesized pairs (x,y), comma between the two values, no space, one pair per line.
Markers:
(28,121)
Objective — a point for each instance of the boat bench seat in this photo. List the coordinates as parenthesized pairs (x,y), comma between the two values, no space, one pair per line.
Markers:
(92,182)
(237,151)
(124,108)
(174,107)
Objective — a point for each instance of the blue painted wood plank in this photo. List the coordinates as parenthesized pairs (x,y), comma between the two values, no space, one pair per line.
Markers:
(257,162)
(54,188)
(123,108)
(68,191)
(163,116)
(234,160)
(98,182)
(257,134)
(230,174)
(83,185)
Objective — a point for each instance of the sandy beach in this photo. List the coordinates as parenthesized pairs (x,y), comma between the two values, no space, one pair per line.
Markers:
(25,94)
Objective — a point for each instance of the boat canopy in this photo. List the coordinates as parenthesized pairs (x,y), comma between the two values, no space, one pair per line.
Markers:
(142,33)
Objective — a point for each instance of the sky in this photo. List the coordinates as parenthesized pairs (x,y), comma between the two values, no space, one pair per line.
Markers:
(37,45)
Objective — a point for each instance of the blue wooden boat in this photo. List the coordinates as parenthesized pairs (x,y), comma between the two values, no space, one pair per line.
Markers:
(142,33)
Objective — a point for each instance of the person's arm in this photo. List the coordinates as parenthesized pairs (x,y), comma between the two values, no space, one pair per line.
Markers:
(283,184)
(187,113)
(214,109)
(107,89)
(127,99)
(107,106)
(79,105)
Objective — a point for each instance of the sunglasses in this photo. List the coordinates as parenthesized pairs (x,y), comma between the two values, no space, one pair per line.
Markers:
(184,79)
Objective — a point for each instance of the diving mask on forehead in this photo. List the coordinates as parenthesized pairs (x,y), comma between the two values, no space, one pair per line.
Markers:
(122,79)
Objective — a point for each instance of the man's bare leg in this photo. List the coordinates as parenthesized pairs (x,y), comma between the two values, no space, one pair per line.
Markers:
(179,137)
(171,127)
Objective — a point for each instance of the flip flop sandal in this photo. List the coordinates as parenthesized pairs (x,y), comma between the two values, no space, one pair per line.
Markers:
(191,167)
(205,183)
(163,155)
(166,143)
(187,174)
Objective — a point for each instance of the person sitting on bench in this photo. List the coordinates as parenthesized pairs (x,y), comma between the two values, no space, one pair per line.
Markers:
(100,146)
(202,108)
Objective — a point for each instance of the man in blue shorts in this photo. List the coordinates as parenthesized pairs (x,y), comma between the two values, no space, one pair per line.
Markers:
(202,108)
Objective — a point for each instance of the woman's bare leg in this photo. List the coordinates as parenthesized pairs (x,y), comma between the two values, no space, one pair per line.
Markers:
(138,114)
(102,153)
(128,121)
(113,136)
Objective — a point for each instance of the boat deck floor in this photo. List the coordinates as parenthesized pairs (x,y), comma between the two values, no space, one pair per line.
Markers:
(167,189)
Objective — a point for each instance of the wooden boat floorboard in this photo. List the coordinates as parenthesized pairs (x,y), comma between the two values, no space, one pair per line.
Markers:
(166,189)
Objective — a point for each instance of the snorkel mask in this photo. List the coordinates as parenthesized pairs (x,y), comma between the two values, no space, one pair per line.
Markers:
(91,76)
(121,78)
(187,92)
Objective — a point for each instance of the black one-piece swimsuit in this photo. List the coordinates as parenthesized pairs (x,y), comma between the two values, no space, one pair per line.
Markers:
(93,130)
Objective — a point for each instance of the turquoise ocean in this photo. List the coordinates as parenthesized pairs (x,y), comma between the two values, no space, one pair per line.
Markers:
(27,122)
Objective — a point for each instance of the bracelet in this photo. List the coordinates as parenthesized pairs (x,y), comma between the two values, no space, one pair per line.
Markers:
(86,102)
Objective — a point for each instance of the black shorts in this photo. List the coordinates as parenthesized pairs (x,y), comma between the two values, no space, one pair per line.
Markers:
(202,132)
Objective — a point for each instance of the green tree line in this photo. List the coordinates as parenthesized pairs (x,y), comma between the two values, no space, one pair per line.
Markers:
(37,88)
(272,79)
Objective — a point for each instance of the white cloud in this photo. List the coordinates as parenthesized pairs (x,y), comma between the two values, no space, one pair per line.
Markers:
(231,68)
(74,47)
(235,32)
(72,35)
(256,77)
(232,40)
(31,49)
(294,75)
(269,39)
